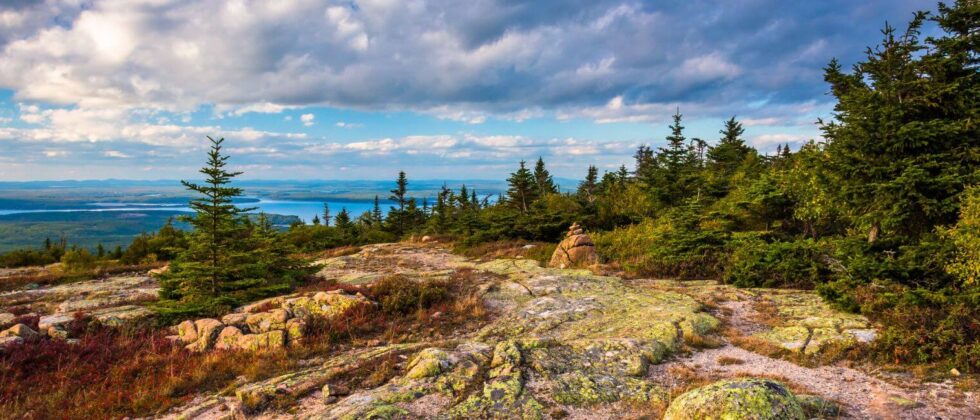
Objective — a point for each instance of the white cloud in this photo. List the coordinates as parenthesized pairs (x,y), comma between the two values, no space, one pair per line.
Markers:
(307,119)
(344,124)
(115,154)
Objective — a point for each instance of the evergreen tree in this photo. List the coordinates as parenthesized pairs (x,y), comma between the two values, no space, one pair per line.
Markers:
(731,150)
(342,221)
(522,188)
(904,137)
(543,179)
(316,220)
(326,214)
(401,189)
(376,216)
(223,265)
(397,216)
(588,189)
(100,251)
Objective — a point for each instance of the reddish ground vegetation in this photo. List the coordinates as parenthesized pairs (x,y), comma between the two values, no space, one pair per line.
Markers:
(114,373)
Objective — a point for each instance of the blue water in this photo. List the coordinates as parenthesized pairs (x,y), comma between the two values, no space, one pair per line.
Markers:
(305,210)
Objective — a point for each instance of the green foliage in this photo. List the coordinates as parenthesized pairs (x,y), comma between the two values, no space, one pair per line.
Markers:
(965,236)
(903,141)
(229,259)
(676,244)
(755,262)
(522,188)
(78,260)
(400,295)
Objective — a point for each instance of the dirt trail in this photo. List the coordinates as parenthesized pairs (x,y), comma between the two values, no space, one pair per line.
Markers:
(861,394)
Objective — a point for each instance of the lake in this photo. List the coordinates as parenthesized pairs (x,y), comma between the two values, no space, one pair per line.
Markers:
(305,210)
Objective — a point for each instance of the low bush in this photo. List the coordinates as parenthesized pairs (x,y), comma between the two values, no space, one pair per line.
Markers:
(673,245)
(754,262)
(401,295)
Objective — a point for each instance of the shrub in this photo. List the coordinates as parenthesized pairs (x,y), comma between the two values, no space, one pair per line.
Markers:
(675,244)
(78,260)
(400,295)
(754,262)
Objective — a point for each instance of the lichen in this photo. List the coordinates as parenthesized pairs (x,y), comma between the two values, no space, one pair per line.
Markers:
(750,398)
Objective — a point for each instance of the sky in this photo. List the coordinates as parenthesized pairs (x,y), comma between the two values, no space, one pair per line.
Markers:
(443,89)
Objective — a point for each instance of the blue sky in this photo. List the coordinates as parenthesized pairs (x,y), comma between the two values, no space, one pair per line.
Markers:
(312,89)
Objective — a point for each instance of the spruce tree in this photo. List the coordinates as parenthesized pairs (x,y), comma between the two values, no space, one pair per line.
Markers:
(904,136)
(225,263)
(376,216)
(342,221)
(588,189)
(522,188)
(731,150)
(316,220)
(543,179)
(326,214)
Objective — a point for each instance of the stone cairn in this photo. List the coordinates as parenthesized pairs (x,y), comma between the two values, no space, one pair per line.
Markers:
(576,250)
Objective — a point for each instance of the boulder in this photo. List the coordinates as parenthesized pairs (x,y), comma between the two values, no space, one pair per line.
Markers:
(266,341)
(748,398)
(187,331)
(7,341)
(576,250)
(157,272)
(228,338)
(429,362)
(6,318)
(235,320)
(295,330)
(207,333)
(267,321)
(19,330)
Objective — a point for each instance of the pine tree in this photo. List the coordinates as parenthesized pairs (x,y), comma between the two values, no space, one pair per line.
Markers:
(543,179)
(100,251)
(316,220)
(326,214)
(522,188)
(588,189)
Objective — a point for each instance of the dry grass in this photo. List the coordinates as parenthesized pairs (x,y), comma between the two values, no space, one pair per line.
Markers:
(538,251)
(728,361)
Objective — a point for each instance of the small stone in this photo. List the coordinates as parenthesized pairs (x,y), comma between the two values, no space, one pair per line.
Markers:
(19,330)
(954,372)
(57,332)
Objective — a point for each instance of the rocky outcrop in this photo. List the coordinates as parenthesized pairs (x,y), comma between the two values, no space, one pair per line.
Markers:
(269,324)
(576,250)
(758,399)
